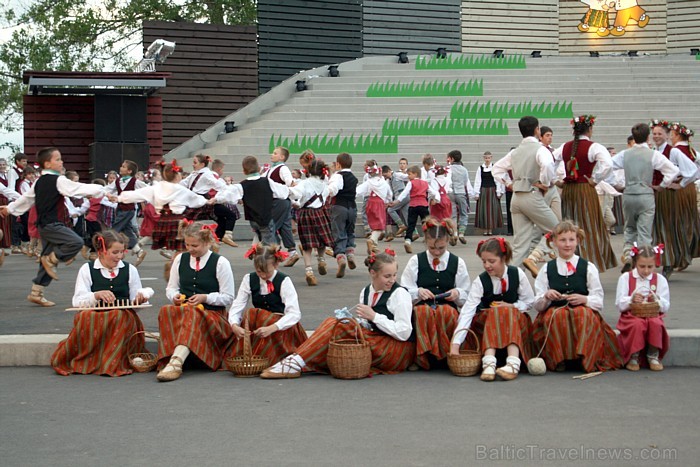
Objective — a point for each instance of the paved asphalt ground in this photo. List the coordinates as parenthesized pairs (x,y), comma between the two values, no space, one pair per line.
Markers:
(17,316)
(422,418)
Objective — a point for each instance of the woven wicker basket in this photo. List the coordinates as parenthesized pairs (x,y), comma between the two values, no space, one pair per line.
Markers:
(349,358)
(645,310)
(468,362)
(248,365)
(147,360)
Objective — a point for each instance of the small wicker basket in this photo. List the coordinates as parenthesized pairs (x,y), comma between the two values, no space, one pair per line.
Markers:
(143,362)
(468,362)
(349,358)
(248,365)
(648,309)
(645,310)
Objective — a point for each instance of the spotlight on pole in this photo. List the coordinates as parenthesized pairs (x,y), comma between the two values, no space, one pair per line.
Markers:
(403,57)
(230,126)
(498,53)
(632,53)
(441,52)
(301,85)
(594,54)
(694,51)
(333,71)
(536,54)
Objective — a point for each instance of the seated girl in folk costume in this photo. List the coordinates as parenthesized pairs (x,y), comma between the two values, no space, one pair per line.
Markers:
(496,310)
(637,333)
(172,202)
(386,305)
(274,318)
(569,298)
(101,341)
(439,283)
(201,289)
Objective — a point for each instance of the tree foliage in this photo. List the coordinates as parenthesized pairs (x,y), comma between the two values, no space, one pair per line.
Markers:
(89,35)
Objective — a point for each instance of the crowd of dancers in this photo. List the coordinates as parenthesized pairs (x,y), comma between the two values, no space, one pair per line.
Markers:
(556,201)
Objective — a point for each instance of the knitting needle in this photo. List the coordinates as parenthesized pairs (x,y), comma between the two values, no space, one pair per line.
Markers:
(588,375)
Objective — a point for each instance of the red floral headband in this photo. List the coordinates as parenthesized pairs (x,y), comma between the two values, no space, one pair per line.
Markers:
(373,256)
(588,120)
(679,128)
(212,229)
(665,124)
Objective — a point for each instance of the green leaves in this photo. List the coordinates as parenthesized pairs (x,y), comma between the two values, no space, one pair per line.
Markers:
(469,62)
(81,35)
(473,87)
(368,144)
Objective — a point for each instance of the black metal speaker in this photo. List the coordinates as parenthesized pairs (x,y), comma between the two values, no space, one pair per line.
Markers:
(109,156)
(121,119)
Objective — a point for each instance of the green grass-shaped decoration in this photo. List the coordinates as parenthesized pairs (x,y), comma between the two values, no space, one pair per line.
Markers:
(469,62)
(474,87)
(444,127)
(368,144)
(506,110)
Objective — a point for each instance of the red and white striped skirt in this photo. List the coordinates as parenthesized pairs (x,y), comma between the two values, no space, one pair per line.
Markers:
(389,356)
(576,333)
(206,333)
(636,333)
(488,210)
(669,229)
(277,346)
(150,219)
(498,327)
(99,344)
(434,329)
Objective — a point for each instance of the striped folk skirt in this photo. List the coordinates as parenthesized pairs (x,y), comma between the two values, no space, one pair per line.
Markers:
(596,18)
(100,343)
(617,211)
(275,347)
(498,327)
(376,213)
(636,333)
(688,198)
(576,333)
(579,203)
(389,356)
(206,333)
(434,329)
(669,230)
(314,228)
(488,210)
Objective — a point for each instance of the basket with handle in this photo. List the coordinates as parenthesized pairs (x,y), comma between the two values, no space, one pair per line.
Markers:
(247,365)
(646,309)
(143,362)
(468,362)
(349,358)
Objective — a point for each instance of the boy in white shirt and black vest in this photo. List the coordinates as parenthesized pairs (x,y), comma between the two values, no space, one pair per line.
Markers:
(343,189)
(60,243)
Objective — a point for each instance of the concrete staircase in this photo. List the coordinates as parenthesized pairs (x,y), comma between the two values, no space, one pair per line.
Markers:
(619,90)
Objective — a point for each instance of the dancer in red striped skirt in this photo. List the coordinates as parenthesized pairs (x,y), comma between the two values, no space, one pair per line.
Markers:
(387,308)
(275,316)
(377,193)
(488,197)
(499,319)
(201,289)
(637,334)
(439,283)
(569,298)
(101,341)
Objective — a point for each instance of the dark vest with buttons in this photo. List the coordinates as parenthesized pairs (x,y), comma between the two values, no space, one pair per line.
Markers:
(436,281)
(487,180)
(511,295)
(118,285)
(271,302)
(381,308)
(575,283)
(346,196)
(204,281)
(130,186)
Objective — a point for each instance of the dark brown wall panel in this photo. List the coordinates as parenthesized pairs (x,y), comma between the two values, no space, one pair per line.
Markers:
(67,122)
(214,73)
(297,35)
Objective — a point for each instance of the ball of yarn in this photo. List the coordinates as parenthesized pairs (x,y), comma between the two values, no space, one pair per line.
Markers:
(536,366)
(137,361)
